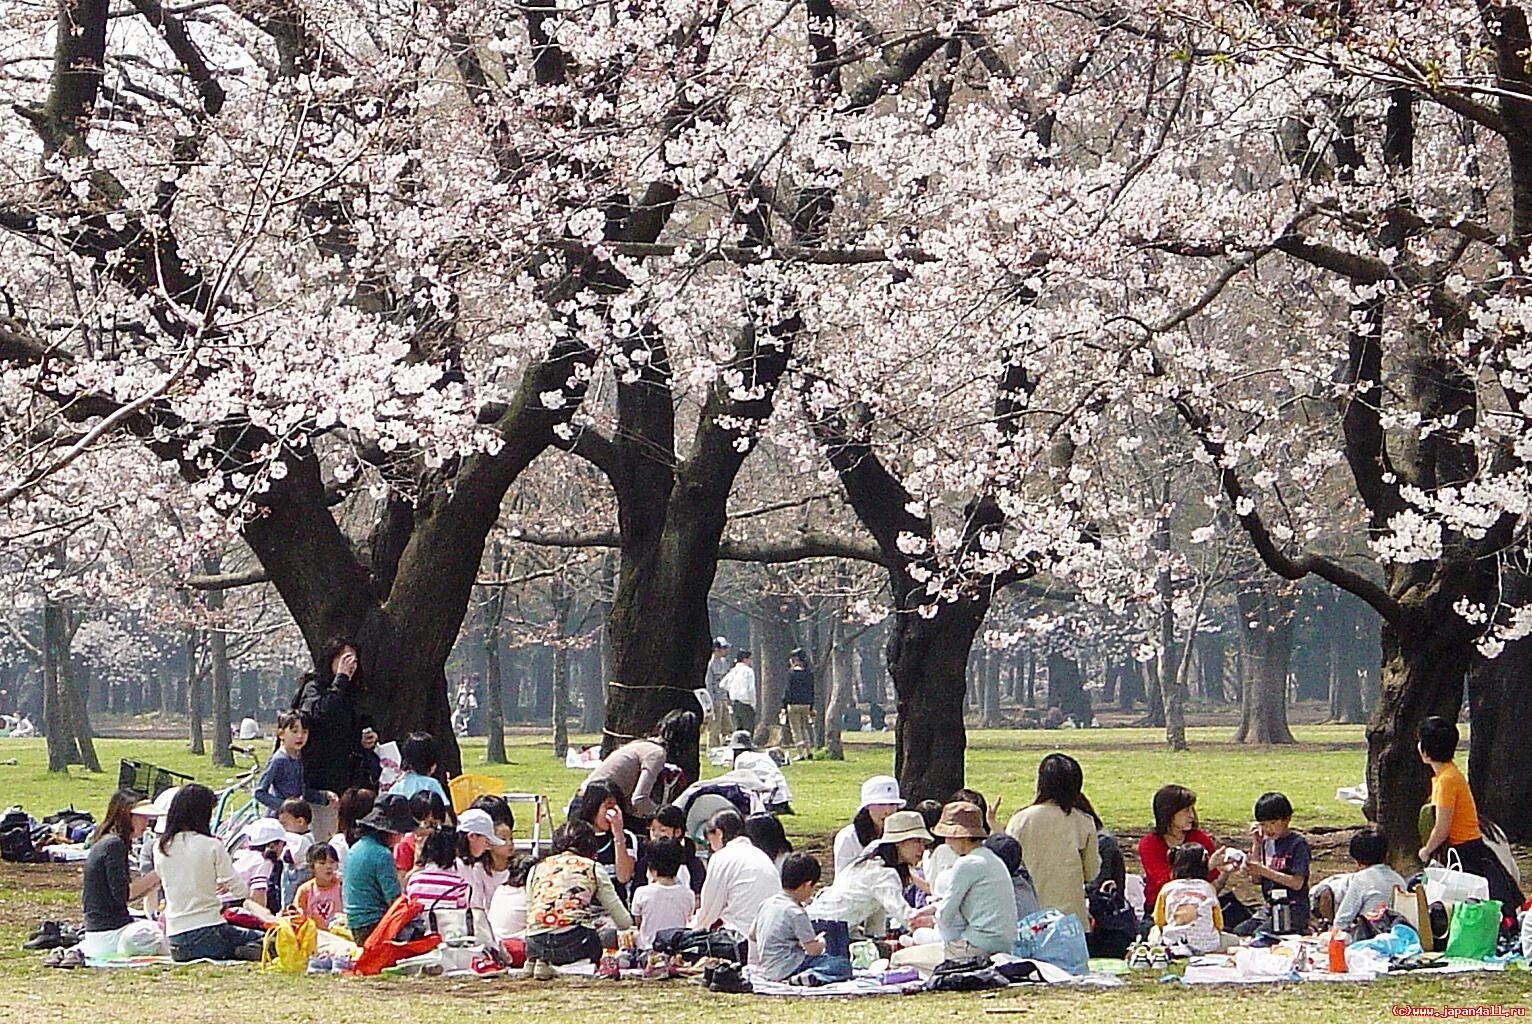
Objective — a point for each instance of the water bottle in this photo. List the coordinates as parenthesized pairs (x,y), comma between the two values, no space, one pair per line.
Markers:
(1337,952)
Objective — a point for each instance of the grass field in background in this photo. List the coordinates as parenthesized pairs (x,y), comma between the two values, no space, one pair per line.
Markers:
(1123,767)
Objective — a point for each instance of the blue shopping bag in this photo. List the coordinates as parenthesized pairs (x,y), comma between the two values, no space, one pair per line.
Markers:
(1053,937)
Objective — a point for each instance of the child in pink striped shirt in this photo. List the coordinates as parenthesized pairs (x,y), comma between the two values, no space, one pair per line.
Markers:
(435,882)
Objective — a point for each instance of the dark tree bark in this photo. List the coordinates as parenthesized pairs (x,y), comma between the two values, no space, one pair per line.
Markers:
(1266,635)
(842,685)
(194,677)
(989,711)
(493,614)
(63,750)
(1066,688)
(218,666)
(561,598)
(1500,702)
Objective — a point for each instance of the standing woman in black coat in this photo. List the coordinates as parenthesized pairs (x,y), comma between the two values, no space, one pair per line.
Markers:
(328,701)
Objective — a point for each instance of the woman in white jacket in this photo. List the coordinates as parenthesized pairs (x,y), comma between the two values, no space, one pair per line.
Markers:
(197,874)
(868,895)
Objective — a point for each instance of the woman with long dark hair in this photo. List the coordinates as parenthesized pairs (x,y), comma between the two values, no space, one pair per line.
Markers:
(604,807)
(1058,837)
(638,767)
(869,895)
(109,885)
(195,873)
(1175,823)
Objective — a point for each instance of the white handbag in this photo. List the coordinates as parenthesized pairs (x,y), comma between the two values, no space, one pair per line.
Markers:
(1449,884)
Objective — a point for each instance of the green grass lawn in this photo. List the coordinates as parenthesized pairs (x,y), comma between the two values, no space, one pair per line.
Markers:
(1123,767)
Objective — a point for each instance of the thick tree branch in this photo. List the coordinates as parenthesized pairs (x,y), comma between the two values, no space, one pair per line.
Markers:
(227,580)
(805,544)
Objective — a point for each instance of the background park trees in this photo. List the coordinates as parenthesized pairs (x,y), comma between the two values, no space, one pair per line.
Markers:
(1116,308)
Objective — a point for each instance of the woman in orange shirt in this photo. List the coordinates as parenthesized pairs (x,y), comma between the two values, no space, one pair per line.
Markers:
(1457,817)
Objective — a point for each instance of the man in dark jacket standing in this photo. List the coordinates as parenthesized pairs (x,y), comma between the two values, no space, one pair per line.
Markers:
(798,702)
(327,702)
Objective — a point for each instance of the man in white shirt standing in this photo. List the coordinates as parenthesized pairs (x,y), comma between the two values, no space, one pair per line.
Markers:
(739,684)
(739,877)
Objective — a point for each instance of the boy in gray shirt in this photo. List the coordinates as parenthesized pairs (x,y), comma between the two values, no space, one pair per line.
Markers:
(783,940)
(1371,888)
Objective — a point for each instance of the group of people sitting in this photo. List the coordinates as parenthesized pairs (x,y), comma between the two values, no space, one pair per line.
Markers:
(941,880)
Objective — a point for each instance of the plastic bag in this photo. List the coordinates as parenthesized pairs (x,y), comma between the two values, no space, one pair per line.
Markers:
(1475,929)
(1054,937)
(1401,940)
(289,944)
(1450,884)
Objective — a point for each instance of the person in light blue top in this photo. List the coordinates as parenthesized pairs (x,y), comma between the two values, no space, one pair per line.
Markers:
(977,917)
(418,755)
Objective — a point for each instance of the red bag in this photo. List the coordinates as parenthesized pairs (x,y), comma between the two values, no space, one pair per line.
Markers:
(380,950)
(516,949)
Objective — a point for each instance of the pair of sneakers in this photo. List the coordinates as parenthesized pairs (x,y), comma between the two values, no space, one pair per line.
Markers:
(539,970)
(1143,956)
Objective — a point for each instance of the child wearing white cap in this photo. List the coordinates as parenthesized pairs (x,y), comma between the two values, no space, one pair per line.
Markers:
(880,798)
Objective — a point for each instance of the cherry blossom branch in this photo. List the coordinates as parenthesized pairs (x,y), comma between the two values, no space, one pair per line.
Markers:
(104,426)
(1288,567)
(744,255)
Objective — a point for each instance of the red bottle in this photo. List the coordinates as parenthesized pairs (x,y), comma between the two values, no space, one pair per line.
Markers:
(1337,952)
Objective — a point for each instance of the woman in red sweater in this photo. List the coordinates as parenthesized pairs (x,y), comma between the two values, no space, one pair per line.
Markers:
(1175,822)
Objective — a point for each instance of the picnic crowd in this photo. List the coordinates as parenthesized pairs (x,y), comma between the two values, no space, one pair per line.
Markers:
(935,884)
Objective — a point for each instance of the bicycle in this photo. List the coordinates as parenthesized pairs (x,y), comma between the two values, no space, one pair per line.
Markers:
(237,805)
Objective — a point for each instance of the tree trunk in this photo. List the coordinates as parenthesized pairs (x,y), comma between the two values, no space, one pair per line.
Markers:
(542,684)
(989,712)
(842,686)
(1154,694)
(1210,652)
(1066,688)
(928,658)
(1266,635)
(218,656)
(773,639)
(1500,700)
(62,748)
(1356,661)
(1422,675)
(561,599)
(194,678)
(493,613)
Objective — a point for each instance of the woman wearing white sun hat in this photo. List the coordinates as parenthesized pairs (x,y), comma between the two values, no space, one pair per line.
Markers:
(880,798)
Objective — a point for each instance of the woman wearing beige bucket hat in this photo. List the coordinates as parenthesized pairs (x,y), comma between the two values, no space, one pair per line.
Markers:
(869,895)
(977,918)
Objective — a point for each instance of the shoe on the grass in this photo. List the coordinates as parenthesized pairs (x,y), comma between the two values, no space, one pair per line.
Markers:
(72,957)
(528,970)
(49,935)
(544,971)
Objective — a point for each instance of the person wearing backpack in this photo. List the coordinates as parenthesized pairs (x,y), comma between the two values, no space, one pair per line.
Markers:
(327,701)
